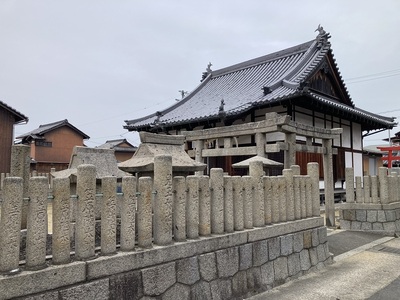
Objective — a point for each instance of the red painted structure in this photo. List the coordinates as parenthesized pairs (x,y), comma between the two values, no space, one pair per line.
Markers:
(390,158)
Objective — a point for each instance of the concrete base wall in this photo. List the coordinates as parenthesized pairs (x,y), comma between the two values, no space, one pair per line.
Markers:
(228,266)
(378,218)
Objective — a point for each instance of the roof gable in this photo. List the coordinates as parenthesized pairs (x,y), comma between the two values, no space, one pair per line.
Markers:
(19,117)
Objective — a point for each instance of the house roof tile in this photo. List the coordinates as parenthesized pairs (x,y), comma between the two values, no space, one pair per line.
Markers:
(19,117)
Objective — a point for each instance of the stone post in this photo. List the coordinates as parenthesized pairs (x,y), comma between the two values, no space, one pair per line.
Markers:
(36,235)
(179,211)
(199,146)
(309,198)
(282,199)
(392,188)
(10,224)
(296,169)
(145,218)
(275,200)
(268,199)
(313,172)
(290,153)
(128,214)
(248,201)
(162,200)
(256,171)
(374,189)
(297,197)
(61,246)
(85,212)
(217,200)
(228,204)
(367,189)
(238,202)
(108,215)
(288,174)
(204,206)
(303,205)
(383,185)
(359,191)
(260,143)
(2,177)
(328,184)
(349,185)
(192,207)
(20,167)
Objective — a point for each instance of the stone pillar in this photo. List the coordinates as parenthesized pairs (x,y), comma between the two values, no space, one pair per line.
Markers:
(228,204)
(2,177)
(108,215)
(179,211)
(248,202)
(162,200)
(128,214)
(359,191)
(392,185)
(288,174)
(20,167)
(383,185)
(217,200)
(297,197)
(328,184)
(290,153)
(204,206)
(199,146)
(36,235)
(296,169)
(275,200)
(349,185)
(309,199)
(303,205)
(256,171)
(313,172)
(282,199)
(144,214)
(238,202)
(374,189)
(61,246)
(85,212)
(268,200)
(10,223)
(367,189)
(192,207)
(260,143)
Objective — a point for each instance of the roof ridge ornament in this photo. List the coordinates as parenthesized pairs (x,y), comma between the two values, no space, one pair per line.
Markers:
(322,37)
(208,71)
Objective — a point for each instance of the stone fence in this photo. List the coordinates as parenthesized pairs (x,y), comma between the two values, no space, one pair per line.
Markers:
(372,202)
(33,174)
(179,237)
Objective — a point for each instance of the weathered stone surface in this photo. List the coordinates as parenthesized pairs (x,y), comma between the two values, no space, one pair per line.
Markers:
(344,224)
(313,256)
(389,227)
(228,262)
(267,273)
(280,269)
(349,214)
(188,270)
(314,238)
(307,239)
(377,226)
(254,280)
(372,216)
(126,286)
(178,291)
(239,283)
(322,234)
(200,291)
(46,296)
(260,252)
(390,215)
(361,215)
(321,253)
(274,247)
(287,244)
(208,266)
(355,225)
(381,216)
(221,289)
(156,280)
(366,226)
(305,262)
(293,264)
(245,256)
(98,290)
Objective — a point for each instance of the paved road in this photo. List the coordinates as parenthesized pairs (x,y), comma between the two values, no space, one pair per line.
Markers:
(367,266)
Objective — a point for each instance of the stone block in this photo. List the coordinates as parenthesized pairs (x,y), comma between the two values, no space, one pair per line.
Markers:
(372,216)
(293,264)
(345,224)
(389,227)
(349,214)
(298,241)
(321,255)
(46,296)
(98,290)
(267,273)
(287,244)
(187,270)
(221,289)
(355,225)
(239,283)
(254,281)
(381,216)
(201,290)
(178,291)
(307,241)
(305,262)
(208,266)
(280,269)
(274,248)
(366,226)
(377,226)
(156,280)
(314,238)
(390,215)
(260,253)
(397,223)
(327,253)
(313,256)
(245,256)
(126,286)
(322,235)
(228,262)
(361,215)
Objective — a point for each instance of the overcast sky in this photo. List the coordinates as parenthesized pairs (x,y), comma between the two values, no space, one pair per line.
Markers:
(100,62)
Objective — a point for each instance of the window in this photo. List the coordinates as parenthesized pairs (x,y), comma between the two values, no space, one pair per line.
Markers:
(43,144)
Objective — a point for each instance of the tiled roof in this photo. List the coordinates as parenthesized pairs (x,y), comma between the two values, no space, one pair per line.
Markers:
(19,117)
(258,82)
(115,144)
(42,129)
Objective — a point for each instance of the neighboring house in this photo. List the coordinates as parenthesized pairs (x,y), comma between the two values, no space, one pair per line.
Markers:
(123,150)
(372,160)
(52,144)
(8,118)
(303,82)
